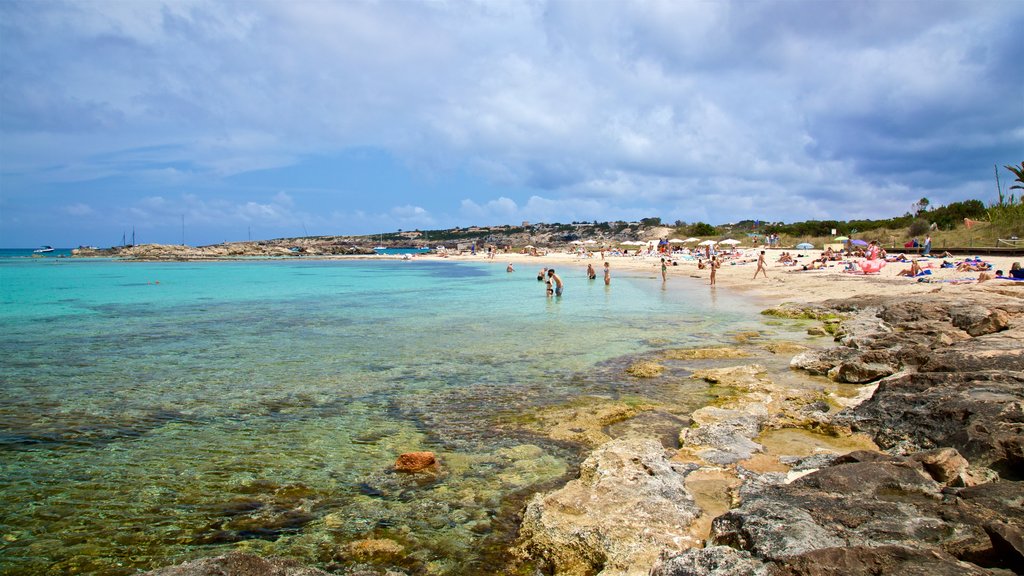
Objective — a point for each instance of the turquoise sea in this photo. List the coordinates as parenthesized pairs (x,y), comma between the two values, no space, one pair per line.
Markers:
(152,413)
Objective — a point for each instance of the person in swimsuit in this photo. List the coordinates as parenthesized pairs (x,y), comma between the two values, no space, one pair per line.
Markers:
(760,266)
(607,274)
(664,270)
(557,280)
(590,272)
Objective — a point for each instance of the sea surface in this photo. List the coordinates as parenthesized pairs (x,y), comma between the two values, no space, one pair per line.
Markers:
(152,413)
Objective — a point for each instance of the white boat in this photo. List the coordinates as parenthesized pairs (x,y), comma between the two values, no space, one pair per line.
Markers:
(43,250)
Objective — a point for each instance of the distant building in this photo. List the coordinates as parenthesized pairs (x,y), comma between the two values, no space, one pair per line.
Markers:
(526,224)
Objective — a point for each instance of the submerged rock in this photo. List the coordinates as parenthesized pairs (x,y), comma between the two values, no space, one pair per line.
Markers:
(236,564)
(415,461)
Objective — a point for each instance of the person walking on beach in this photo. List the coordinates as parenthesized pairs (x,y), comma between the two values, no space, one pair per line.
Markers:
(760,266)
(927,245)
(664,270)
(590,272)
(607,274)
(714,267)
(557,280)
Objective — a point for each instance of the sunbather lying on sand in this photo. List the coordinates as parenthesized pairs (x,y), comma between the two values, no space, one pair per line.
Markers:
(914,270)
(975,266)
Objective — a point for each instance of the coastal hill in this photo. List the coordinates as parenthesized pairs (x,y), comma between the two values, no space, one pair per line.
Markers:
(959,225)
(541,235)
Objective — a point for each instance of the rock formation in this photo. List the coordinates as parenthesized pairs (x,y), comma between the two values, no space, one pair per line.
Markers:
(945,496)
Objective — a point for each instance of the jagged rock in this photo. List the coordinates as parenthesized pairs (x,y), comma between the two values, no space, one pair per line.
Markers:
(724,436)
(415,461)
(819,362)
(980,414)
(711,561)
(628,505)
(236,564)
(999,351)
(871,560)
(944,465)
(978,320)
(880,511)
(858,372)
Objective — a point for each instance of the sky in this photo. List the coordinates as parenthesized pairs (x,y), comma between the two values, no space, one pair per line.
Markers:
(211,121)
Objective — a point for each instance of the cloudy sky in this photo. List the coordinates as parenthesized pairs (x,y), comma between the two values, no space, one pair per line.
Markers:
(287,118)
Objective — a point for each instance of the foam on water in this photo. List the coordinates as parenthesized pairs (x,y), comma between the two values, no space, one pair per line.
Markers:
(155,412)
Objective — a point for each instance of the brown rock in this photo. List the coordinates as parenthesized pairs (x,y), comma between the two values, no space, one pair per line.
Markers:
(415,461)
(942,464)
(979,320)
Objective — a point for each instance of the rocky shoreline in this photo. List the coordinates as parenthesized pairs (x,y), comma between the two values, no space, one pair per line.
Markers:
(913,464)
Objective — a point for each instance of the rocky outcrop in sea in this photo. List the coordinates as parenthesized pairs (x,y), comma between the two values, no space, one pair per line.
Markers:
(938,389)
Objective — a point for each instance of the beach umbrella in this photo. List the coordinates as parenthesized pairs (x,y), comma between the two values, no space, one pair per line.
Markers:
(730,241)
(528,246)
(688,240)
(576,242)
(590,242)
(858,242)
(707,243)
(676,241)
(841,238)
(804,246)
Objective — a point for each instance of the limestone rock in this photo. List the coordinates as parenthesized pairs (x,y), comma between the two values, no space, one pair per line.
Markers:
(859,372)
(819,362)
(874,509)
(945,465)
(628,505)
(415,461)
(980,414)
(978,320)
(711,561)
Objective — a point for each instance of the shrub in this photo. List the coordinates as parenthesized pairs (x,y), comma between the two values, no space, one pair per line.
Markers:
(919,227)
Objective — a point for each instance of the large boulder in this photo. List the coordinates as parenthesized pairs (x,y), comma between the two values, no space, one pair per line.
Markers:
(628,505)
(980,414)
(867,513)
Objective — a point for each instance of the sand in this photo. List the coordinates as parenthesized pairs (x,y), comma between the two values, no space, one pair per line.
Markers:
(784,283)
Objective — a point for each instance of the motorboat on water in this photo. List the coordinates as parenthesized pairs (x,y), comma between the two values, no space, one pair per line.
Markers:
(43,250)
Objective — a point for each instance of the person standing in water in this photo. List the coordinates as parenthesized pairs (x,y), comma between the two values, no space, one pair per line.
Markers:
(590,272)
(714,267)
(557,280)
(607,274)
(664,270)
(760,266)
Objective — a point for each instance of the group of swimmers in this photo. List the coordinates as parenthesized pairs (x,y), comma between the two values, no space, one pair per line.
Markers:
(553,282)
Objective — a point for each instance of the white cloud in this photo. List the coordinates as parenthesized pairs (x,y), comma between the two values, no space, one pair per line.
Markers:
(710,110)
(79,209)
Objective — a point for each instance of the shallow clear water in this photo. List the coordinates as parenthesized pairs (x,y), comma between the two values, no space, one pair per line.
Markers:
(157,412)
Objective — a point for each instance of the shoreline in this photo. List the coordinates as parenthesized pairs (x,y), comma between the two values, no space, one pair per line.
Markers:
(784,285)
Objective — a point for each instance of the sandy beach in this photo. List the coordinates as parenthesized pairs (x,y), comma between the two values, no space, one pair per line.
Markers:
(783,284)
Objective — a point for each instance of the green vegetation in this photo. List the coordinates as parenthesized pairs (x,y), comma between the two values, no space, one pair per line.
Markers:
(1007,215)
